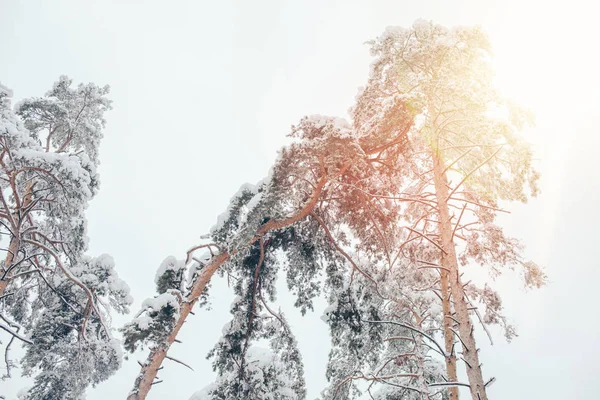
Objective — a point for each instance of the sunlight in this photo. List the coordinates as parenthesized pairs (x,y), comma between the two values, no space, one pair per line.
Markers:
(526,75)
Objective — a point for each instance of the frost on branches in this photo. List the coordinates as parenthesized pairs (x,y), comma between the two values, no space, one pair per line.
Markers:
(54,298)
(383,331)
(246,371)
(465,156)
(281,224)
(383,215)
(265,378)
(158,315)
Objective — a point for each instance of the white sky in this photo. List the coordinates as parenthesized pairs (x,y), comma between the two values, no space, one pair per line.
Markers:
(204,94)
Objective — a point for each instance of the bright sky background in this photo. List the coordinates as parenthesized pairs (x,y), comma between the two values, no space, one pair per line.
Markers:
(204,94)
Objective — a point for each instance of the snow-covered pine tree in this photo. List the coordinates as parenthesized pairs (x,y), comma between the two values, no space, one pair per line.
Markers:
(312,173)
(377,190)
(363,222)
(53,297)
(467,155)
(246,371)
(384,333)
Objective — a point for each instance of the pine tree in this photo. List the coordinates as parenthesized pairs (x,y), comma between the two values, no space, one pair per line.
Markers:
(53,297)
(384,333)
(310,173)
(369,204)
(246,371)
(468,156)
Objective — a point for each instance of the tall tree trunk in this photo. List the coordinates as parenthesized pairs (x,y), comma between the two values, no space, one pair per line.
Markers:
(448,334)
(461,308)
(15,240)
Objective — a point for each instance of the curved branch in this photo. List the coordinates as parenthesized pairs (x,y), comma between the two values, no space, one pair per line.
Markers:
(73,279)
(472,172)
(428,239)
(412,328)
(15,334)
(344,254)
(143,382)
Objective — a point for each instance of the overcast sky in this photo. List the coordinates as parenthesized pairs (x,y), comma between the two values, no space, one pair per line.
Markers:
(204,94)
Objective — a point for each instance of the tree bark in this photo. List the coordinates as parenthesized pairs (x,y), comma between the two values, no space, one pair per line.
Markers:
(13,247)
(461,307)
(448,334)
(423,386)
(145,379)
(15,240)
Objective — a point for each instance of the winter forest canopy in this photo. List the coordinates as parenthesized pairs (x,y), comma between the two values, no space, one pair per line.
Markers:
(390,216)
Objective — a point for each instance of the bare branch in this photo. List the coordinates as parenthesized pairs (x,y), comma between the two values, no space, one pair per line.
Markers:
(178,361)
(344,254)
(74,279)
(458,221)
(15,334)
(412,328)
(472,172)
(428,239)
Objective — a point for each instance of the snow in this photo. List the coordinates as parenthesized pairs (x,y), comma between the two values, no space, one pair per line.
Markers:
(340,127)
(226,328)
(5,91)
(156,304)
(260,357)
(99,274)
(161,301)
(327,312)
(142,322)
(248,208)
(195,266)
(23,393)
(117,347)
(254,202)
(118,285)
(69,165)
(322,120)
(234,303)
(445,41)
(420,120)
(222,218)
(391,32)
(11,126)
(204,394)
(422,28)
(169,263)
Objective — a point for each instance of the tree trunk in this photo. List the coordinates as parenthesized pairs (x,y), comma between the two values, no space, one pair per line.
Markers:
(423,386)
(12,250)
(145,379)
(448,334)
(15,240)
(461,308)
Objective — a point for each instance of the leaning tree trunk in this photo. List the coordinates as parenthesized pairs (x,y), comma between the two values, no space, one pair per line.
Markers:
(461,308)
(145,379)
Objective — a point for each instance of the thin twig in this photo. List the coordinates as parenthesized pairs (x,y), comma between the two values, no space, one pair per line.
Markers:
(178,361)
